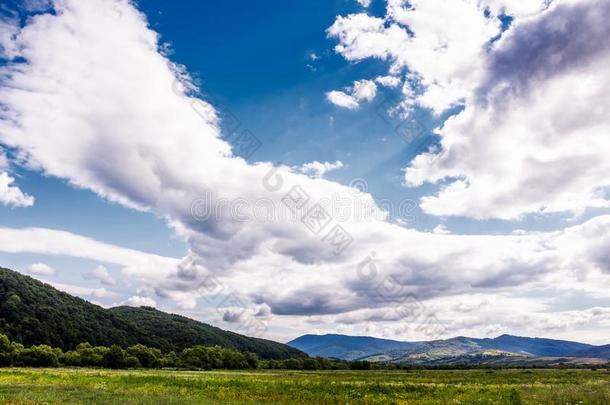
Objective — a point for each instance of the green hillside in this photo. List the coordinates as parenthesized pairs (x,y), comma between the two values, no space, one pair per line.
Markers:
(175,332)
(32,313)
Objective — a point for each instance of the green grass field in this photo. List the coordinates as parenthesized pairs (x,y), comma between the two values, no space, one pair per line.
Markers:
(86,386)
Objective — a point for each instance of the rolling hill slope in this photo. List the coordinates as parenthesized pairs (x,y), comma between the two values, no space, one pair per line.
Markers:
(600,352)
(32,312)
(533,346)
(345,347)
(173,332)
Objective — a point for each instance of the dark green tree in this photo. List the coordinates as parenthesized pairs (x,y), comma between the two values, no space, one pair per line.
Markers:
(148,357)
(115,357)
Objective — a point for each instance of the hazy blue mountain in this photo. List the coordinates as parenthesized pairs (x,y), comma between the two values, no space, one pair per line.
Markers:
(498,358)
(436,349)
(533,346)
(600,352)
(505,347)
(345,347)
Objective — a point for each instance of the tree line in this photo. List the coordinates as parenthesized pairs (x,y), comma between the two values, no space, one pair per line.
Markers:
(13,354)
(117,357)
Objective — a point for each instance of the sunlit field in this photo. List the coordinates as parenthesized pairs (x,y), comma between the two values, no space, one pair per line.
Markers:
(88,386)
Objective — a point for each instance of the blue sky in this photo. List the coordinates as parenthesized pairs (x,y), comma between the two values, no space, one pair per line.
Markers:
(257,63)
(275,89)
(501,192)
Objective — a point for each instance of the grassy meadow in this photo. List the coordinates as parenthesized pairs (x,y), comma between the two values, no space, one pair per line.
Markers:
(89,386)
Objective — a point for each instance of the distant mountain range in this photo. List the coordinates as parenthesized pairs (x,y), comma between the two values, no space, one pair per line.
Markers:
(602,352)
(346,347)
(505,349)
(33,313)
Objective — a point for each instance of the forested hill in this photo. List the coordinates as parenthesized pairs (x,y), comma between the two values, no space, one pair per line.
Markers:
(173,332)
(32,312)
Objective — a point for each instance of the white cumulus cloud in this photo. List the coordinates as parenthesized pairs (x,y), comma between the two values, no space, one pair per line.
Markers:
(11,195)
(361,91)
(318,169)
(532,134)
(137,301)
(341,99)
(41,269)
(100,273)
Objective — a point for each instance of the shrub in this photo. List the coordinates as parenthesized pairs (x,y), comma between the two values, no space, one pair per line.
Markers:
(148,357)
(132,362)
(39,356)
(115,357)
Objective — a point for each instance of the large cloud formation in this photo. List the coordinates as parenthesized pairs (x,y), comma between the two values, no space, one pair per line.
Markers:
(534,126)
(89,98)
